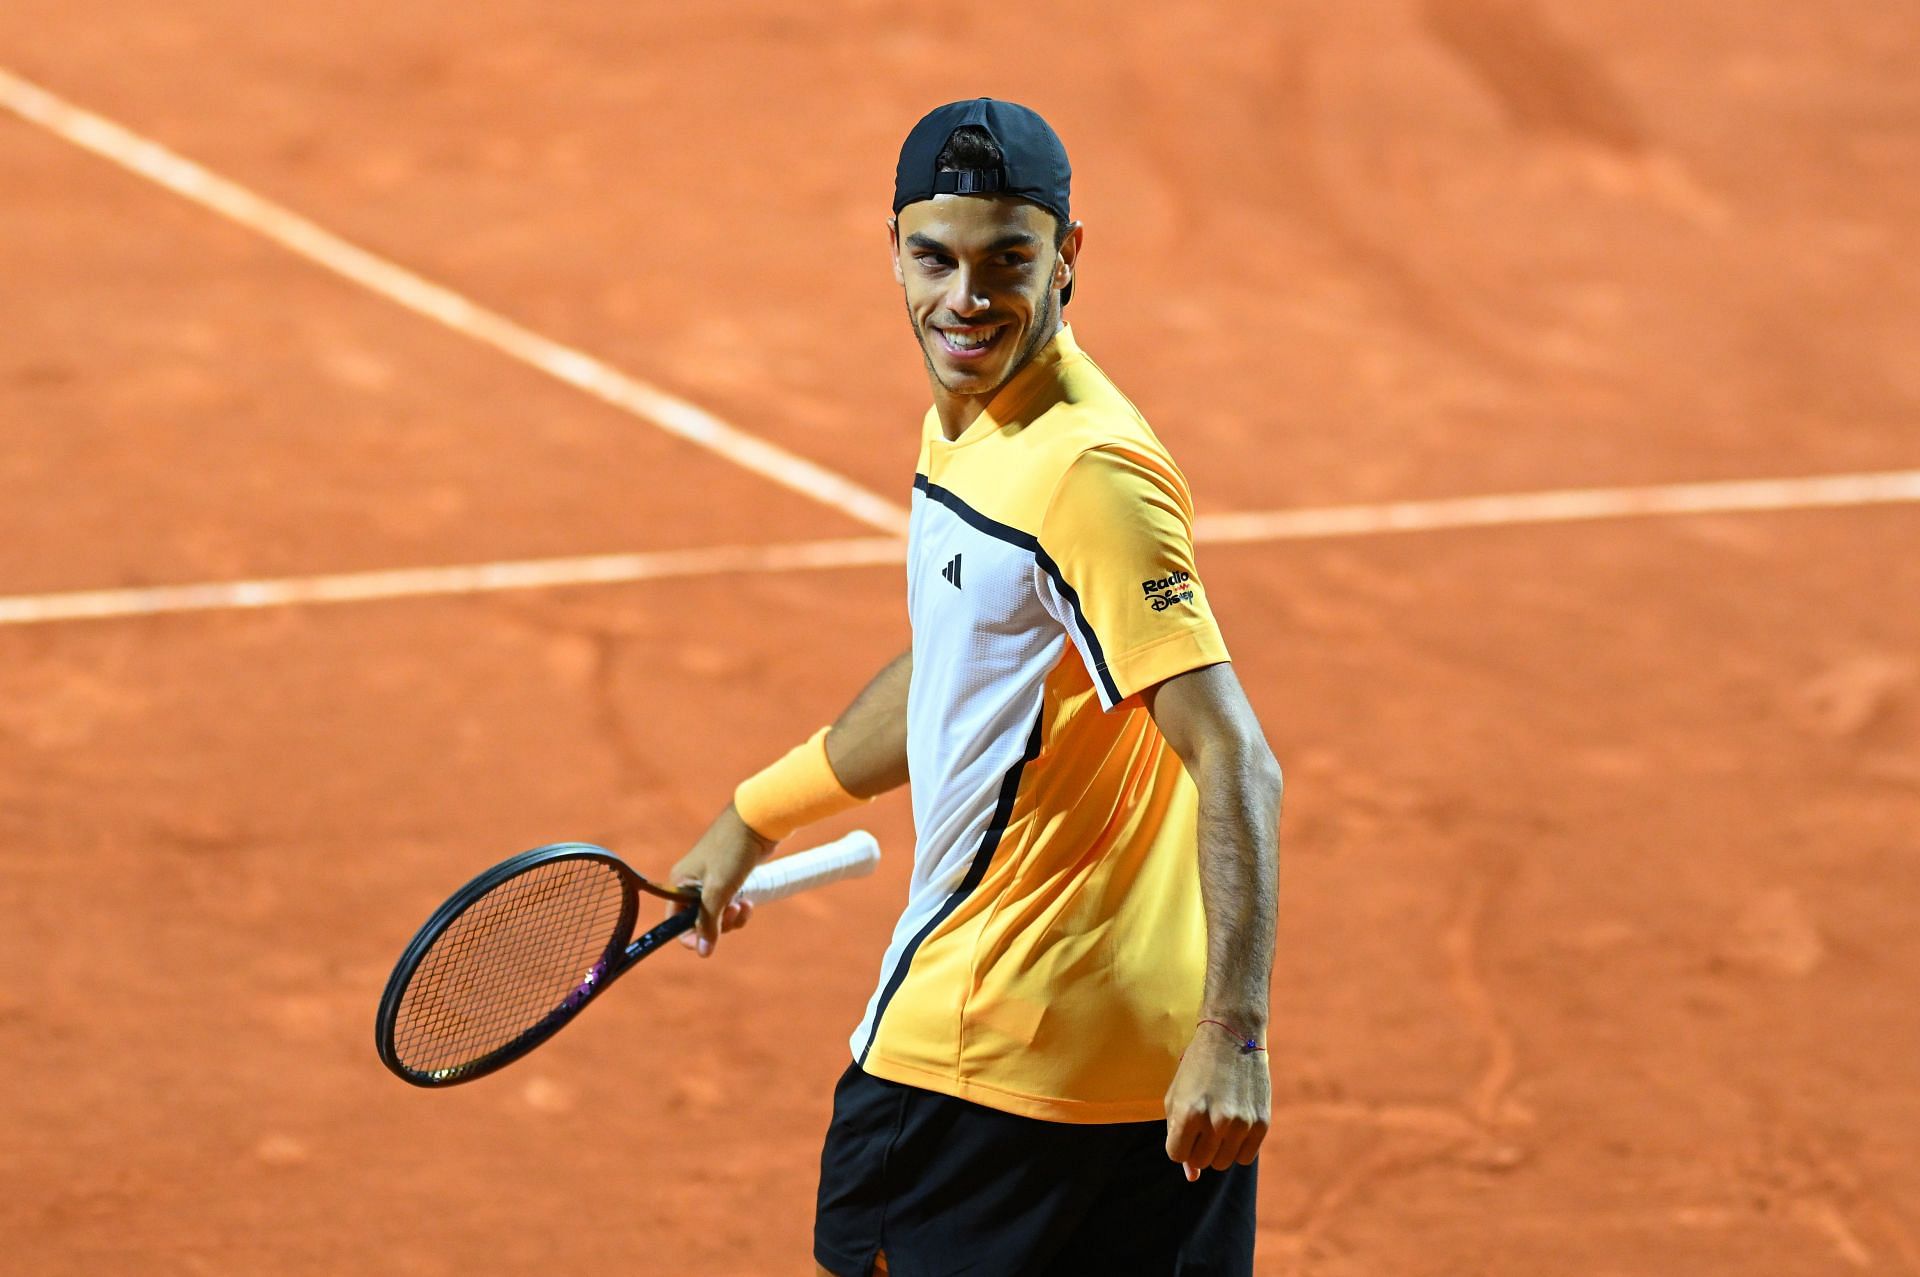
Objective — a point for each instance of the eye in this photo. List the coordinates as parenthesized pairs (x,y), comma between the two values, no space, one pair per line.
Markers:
(1013,261)
(933,261)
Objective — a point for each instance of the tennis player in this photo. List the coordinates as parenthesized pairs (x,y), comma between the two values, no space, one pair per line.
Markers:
(1063,1066)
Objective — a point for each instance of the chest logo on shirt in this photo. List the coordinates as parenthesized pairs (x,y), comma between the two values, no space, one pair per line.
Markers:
(951,572)
(1168,590)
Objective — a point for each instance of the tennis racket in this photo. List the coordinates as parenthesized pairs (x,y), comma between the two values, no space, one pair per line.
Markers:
(521,950)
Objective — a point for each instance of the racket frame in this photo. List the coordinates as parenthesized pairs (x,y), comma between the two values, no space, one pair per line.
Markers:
(622,952)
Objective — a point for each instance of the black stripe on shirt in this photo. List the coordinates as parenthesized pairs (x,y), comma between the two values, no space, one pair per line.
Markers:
(989,843)
(1014,536)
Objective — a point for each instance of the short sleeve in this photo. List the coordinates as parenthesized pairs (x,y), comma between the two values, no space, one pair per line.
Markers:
(1117,549)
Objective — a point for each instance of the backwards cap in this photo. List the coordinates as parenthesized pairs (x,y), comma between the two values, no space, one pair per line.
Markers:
(1035,167)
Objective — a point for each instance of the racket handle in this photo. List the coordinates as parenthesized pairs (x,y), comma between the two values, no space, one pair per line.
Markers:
(853,856)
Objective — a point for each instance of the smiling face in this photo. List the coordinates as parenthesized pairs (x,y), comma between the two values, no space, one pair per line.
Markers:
(982,275)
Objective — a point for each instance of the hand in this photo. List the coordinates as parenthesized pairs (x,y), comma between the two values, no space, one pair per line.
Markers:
(1219,1104)
(719,863)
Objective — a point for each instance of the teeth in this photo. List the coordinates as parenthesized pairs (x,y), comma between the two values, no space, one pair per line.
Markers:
(968,341)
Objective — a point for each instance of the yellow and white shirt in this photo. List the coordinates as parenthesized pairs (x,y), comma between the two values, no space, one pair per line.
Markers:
(1052,951)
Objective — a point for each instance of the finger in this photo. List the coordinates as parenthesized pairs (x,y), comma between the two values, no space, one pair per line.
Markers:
(737,915)
(1181,1132)
(682,882)
(1250,1147)
(671,908)
(1203,1151)
(1229,1151)
(713,904)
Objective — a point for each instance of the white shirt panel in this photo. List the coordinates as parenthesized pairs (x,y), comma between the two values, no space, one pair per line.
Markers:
(983,643)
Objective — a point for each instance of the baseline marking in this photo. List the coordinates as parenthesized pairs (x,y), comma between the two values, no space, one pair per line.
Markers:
(1566,505)
(477,578)
(582,371)
(1512,510)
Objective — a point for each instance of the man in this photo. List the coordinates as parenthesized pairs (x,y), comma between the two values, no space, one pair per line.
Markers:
(1073,1007)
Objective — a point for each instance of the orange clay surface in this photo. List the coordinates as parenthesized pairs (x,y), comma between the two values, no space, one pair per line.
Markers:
(1600,859)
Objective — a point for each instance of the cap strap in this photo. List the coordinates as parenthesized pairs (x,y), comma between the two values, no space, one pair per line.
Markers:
(969,181)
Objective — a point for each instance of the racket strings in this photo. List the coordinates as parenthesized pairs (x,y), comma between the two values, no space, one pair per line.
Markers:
(532,945)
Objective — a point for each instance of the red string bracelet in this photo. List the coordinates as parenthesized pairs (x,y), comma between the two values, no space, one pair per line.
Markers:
(1247,1045)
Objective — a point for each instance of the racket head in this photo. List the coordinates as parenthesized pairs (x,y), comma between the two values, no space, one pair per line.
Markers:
(508,961)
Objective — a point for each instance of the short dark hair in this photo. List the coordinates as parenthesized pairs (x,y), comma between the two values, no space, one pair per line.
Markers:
(973,147)
(970,147)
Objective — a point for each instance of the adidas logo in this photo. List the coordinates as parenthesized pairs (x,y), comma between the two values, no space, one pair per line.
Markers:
(951,572)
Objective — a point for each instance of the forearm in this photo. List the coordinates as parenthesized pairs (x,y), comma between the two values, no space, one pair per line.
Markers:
(864,753)
(867,746)
(1240,792)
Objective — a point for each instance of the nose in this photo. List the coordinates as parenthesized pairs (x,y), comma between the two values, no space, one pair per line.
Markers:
(965,297)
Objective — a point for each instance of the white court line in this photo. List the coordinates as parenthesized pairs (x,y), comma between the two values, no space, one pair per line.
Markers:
(668,412)
(1515,509)
(478,578)
(1566,505)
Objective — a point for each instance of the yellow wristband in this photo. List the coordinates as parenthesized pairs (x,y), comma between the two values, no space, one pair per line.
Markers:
(798,790)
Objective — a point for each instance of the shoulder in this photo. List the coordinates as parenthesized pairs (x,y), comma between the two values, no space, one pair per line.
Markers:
(1111,488)
(1112,454)
(1094,415)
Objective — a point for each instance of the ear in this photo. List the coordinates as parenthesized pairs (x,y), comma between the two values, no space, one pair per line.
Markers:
(893,243)
(1063,266)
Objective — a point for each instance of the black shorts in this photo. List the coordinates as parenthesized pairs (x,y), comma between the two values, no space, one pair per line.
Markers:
(946,1187)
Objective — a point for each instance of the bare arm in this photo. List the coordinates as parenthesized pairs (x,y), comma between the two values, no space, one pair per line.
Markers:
(867,749)
(1218,1106)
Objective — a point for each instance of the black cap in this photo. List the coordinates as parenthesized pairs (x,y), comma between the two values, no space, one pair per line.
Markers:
(1035,170)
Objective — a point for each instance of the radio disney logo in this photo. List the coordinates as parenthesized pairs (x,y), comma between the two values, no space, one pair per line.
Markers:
(1168,590)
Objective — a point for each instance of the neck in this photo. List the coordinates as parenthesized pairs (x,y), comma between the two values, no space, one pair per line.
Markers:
(957,412)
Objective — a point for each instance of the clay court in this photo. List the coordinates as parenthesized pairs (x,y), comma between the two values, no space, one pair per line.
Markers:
(1601,848)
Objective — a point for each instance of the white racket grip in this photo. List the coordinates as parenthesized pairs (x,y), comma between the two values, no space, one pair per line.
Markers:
(853,856)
